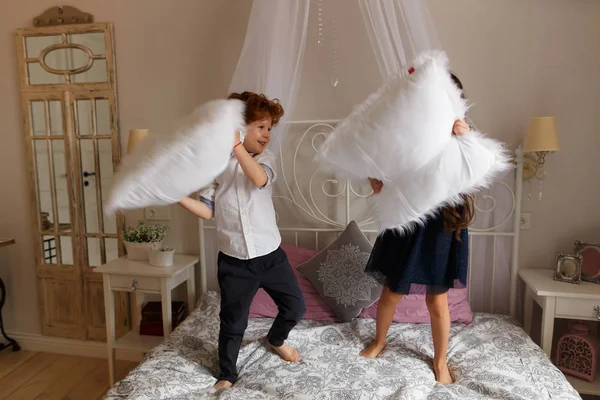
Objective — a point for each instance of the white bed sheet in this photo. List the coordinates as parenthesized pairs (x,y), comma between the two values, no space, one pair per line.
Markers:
(492,358)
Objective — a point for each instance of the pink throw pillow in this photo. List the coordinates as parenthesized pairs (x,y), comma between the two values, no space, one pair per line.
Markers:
(316,308)
(412,308)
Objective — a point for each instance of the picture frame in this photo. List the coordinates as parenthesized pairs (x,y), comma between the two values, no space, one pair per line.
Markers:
(590,266)
(568,268)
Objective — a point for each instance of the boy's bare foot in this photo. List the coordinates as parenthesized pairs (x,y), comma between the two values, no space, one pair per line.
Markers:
(373,350)
(222,385)
(442,373)
(287,352)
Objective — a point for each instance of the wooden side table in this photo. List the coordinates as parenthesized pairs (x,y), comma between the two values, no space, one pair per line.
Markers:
(123,275)
(11,342)
(560,300)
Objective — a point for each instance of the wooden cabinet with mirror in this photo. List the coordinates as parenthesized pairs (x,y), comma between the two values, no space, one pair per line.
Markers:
(68,90)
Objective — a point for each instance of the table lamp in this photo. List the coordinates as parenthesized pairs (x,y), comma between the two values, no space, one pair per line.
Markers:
(135,137)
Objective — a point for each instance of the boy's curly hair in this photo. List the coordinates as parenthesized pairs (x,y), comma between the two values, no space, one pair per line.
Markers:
(258,107)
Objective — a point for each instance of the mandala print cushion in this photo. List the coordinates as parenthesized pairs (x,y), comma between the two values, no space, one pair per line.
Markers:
(337,273)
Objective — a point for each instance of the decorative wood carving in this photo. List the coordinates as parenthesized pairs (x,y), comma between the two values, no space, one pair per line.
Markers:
(62,15)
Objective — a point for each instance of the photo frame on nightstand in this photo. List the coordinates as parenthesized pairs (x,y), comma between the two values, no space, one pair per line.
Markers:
(590,266)
(568,268)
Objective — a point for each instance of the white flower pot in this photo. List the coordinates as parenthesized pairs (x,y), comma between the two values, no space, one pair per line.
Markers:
(161,258)
(139,251)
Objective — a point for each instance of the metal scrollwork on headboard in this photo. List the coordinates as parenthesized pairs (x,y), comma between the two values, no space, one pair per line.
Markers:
(482,207)
(302,187)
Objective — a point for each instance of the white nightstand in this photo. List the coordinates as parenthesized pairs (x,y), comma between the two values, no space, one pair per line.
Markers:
(123,275)
(560,300)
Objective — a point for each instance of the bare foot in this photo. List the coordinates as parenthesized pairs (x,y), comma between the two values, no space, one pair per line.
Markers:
(373,350)
(442,374)
(287,352)
(222,385)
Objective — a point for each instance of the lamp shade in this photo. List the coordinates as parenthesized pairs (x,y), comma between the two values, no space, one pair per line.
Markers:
(135,137)
(542,135)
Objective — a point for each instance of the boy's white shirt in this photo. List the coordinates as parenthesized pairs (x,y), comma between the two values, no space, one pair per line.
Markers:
(244,214)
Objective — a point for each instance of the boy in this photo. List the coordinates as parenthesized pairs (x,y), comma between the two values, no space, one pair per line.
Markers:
(248,239)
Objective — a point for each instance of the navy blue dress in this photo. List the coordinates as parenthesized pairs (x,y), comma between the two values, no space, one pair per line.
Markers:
(428,260)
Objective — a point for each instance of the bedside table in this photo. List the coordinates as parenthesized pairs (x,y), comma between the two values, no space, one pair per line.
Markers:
(123,275)
(560,300)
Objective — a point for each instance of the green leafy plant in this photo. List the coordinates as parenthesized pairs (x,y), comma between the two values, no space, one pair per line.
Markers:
(143,233)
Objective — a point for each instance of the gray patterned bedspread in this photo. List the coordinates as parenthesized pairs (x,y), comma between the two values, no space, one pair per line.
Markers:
(492,358)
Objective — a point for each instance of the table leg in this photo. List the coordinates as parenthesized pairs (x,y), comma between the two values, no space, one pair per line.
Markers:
(547,324)
(11,342)
(166,307)
(528,310)
(109,309)
(191,290)
(137,301)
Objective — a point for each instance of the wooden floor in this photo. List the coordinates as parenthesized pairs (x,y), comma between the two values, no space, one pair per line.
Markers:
(27,375)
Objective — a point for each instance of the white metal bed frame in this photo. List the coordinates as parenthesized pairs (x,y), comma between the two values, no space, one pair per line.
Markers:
(307,205)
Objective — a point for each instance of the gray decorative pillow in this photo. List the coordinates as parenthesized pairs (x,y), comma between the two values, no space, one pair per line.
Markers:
(338,274)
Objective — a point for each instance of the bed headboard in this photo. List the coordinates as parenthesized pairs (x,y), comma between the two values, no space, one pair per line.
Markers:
(313,209)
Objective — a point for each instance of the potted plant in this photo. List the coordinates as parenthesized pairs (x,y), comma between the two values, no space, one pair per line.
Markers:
(142,238)
(161,256)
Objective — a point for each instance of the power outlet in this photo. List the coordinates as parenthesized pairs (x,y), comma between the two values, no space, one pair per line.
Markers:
(525,221)
(157,213)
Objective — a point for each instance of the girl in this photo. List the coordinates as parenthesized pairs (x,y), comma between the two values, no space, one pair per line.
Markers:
(248,239)
(431,259)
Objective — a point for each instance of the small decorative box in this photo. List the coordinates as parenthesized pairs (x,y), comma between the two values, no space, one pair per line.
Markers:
(577,352)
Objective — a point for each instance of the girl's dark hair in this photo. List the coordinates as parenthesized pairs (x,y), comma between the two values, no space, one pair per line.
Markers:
(459,217)
(258,107)
(456,81)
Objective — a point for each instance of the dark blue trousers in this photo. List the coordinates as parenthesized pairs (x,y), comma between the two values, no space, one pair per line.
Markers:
(239,281)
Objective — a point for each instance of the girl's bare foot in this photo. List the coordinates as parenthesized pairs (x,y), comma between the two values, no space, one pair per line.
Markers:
(287,352)
(222,385)
(442,373)
(373,350)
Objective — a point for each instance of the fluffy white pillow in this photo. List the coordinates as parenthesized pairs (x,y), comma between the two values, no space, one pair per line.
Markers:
(402,135)
(165,168)
(399,128)
(467,164)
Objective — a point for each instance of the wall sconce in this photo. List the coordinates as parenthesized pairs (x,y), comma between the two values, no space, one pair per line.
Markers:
(135,137)
(541,139)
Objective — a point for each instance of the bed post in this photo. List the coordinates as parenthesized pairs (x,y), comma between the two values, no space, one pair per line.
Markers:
(348,183)
(514,266)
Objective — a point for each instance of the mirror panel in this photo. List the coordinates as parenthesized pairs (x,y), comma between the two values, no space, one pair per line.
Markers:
(106,179)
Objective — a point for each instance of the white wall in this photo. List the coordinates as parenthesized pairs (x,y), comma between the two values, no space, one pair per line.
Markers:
(171,59)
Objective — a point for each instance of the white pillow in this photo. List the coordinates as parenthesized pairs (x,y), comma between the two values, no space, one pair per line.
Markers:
(163,169)
(399,128)
(467,164)
(402,135)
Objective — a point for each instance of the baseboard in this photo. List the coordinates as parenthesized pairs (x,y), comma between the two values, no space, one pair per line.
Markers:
(49,344)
